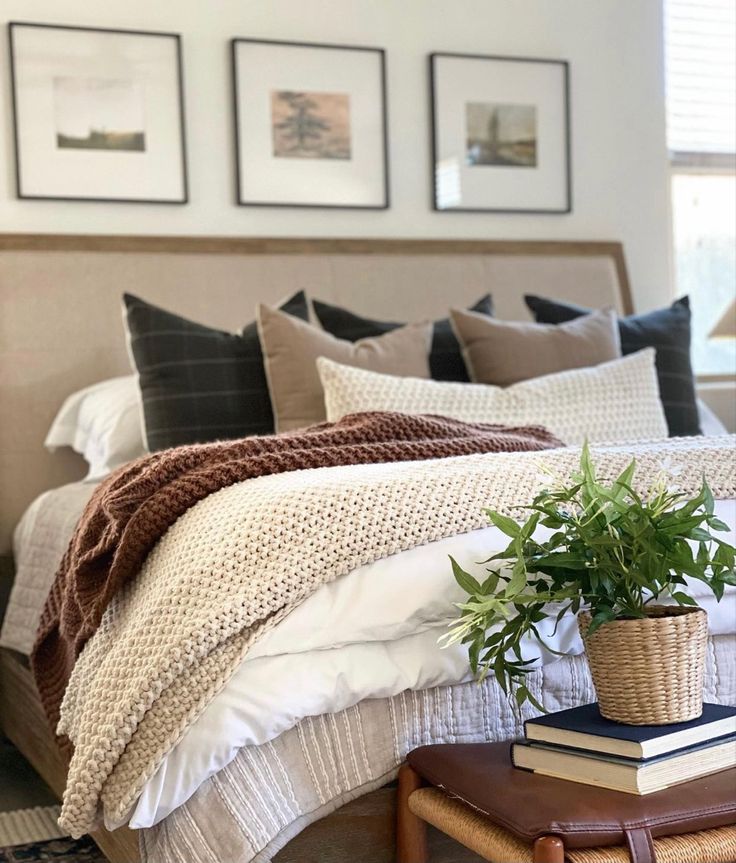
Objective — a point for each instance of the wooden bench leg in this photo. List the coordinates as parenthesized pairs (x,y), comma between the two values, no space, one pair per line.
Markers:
(411,832)
(549,849)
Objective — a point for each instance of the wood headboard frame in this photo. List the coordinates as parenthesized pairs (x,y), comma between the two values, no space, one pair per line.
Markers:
(320,246)
(60,307)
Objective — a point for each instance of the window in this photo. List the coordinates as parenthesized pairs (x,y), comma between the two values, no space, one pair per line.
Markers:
(700,42)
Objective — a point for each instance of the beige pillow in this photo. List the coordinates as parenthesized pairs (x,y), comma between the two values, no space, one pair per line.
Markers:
(504,352)
(615,401)
(290,350)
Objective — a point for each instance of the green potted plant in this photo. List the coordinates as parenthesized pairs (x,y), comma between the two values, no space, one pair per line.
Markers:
(611,556)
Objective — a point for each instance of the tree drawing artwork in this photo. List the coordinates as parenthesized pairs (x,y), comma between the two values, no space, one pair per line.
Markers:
(310,125)
(301,125)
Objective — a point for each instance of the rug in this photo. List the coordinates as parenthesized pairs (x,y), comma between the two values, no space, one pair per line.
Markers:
(21,826)
(33,836)
(64,850)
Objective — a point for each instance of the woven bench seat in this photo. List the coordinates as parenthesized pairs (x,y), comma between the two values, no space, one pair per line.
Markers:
(497,845)
(472,793)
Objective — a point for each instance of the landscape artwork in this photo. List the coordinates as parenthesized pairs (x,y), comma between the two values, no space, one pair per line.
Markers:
(99,114)
(503,135)
(309,125)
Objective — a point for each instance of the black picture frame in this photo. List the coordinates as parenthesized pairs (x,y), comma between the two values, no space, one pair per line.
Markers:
(566,125)
(240,169)
(15,108)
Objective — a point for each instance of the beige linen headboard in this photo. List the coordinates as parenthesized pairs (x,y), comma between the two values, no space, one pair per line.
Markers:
(60,308)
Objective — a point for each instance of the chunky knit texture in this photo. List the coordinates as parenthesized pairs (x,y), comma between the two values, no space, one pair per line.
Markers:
(133,509)
(617,400)
(237,562)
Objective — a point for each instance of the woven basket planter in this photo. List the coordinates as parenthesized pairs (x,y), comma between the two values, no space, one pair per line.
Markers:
(649,671)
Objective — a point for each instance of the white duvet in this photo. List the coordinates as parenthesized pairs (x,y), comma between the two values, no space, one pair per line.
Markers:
(370,634)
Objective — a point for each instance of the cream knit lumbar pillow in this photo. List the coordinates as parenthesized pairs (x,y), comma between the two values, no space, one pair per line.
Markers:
(614,401)
(290,350)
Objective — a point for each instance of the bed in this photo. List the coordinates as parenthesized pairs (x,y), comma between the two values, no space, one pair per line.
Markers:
(346,757)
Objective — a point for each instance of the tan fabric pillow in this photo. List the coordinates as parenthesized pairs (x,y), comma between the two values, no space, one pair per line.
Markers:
(505,352)
(290,350)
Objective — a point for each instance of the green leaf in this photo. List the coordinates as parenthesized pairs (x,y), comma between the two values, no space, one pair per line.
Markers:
(702,557)
(493,639)
(604,616)
(725,553)
(562,558)
(490,584)
(464,579)
(504,523)
(532,700)
(683,598)
(473,654)
(586,464)
(681,527)
(519,666)
(622,483)
(531,525)
(632,494)
(518,578)
(500,673)
(521,694)
(708,501)
(560,614)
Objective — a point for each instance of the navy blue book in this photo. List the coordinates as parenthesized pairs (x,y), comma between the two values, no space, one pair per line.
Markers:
(585,728)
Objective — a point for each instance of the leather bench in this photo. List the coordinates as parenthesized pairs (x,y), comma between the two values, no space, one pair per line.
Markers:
(474,794)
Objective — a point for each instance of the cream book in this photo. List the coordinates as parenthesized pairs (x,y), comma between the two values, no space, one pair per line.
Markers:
(621,774)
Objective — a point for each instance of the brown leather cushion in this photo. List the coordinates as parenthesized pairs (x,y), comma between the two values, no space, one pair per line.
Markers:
(528,805)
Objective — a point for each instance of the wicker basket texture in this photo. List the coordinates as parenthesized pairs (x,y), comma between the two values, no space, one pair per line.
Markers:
(649,671)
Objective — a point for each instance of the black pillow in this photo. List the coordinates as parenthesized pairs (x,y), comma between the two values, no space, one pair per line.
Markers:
(666,330)
(445,358)
(199,384)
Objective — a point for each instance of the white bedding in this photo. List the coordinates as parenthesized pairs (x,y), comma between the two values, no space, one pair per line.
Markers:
(39,543)
(370,634)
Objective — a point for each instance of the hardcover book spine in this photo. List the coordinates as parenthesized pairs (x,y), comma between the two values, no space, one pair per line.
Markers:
(514,744)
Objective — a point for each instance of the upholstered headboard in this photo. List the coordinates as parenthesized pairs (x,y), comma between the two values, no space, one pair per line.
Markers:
(60,308)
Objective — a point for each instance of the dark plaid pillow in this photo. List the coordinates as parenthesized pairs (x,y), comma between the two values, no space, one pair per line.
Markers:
(199,384)
(445,359)
(666,330)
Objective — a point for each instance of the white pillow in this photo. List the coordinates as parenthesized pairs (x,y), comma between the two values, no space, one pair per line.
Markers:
(617,400)
(709,421)
(103,423)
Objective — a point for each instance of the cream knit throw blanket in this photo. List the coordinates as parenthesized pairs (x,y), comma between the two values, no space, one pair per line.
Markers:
(241,559)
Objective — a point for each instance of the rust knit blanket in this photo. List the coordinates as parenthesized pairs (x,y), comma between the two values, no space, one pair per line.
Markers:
(136,505)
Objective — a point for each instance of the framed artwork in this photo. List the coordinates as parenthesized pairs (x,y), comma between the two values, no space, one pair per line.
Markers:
(310,125)
(500,134)
(98,114)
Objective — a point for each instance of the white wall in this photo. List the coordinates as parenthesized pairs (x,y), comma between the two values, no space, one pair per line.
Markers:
(618,134)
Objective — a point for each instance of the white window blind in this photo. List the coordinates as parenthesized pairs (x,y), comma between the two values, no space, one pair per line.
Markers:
(700,43)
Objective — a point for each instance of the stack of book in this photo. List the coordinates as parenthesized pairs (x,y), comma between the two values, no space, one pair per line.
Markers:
(582,746)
